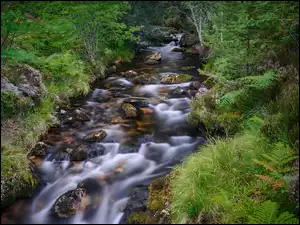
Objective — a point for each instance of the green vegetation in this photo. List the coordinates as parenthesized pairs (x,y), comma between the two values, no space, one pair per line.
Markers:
(71,44)
(253,103)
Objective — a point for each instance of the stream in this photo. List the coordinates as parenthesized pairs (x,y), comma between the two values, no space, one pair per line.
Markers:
(134,151)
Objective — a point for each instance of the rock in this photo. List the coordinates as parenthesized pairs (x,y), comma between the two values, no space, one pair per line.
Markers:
(40,149)
(81,115)
(137,102)
(90,185)
(63,111)
(96,150)
(69,120)
(195,85)
(177,50)
(156,56)
(79,154)
(111,70)
(152,62)
(175,79)
(129,73)
(142,80)
(54,120)
(30,82)
(130,110)
(188,40)
(7,86)
(178,91)
(142,45)
(95,136)
(69,203)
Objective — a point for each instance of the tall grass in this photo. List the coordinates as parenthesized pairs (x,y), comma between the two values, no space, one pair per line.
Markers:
(223,182)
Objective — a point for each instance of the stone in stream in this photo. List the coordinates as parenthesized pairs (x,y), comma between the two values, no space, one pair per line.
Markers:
(175,78)
(40,149)
(69,203)
(153,59)
(142,80)
(137,102)
(81,115)
(129,73)
(130,110)
(79,153)
(95,136)
(178,91)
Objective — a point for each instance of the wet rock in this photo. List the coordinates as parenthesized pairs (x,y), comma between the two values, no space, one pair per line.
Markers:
(137,102)
(63,111)
(195,85)
(153,59)
(96,136)
(177,50)
(69,203)
(130,110)
(69,120)
(81,115)
(151,62)
(178,91)
(187,67)
(142,80)
(96,150)
(79,154)
(60,156)
(175,78)
(147,138)
(90,185)
(111,70)
(129,73)
(40,149)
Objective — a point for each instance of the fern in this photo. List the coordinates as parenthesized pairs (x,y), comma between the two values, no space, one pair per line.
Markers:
(228,100)
(267,214)
(260,82)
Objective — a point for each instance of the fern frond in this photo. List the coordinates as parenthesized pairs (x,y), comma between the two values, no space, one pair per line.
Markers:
(260,82)
(267,214)
(229,99)
(264,214)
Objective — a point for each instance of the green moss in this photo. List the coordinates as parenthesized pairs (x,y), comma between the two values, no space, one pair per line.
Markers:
(158,194)
(140,218)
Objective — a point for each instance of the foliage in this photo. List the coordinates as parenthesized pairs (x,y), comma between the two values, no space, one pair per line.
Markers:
(225,180)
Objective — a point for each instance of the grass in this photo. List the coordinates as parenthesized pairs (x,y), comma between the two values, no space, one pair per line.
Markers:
(224,183)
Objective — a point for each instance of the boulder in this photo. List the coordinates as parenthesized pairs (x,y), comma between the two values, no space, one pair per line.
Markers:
(96,150)
(129,73)
(178,91)
(7,86)
(156,56)
(78,154)
(142,80)
(188,40)
(81,115)
(40,149)
(175,78)
(69,203)
(30,82)
(96,136)
(137,102)
(130,110)
(151,62)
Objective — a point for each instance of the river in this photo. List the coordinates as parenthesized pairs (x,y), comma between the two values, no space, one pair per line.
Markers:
(135,150)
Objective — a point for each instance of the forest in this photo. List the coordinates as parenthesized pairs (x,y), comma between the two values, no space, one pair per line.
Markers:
(150,112)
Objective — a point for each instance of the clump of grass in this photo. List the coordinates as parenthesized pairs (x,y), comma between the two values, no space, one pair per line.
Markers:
(227,180)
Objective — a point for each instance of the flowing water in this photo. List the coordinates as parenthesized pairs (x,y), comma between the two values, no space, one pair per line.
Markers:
(135,150)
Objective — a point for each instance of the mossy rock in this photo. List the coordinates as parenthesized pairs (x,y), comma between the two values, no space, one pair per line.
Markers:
(158,194)
(95,136)
(187,67)
(140,218)
(142,80)
(130,110)
(175,79)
